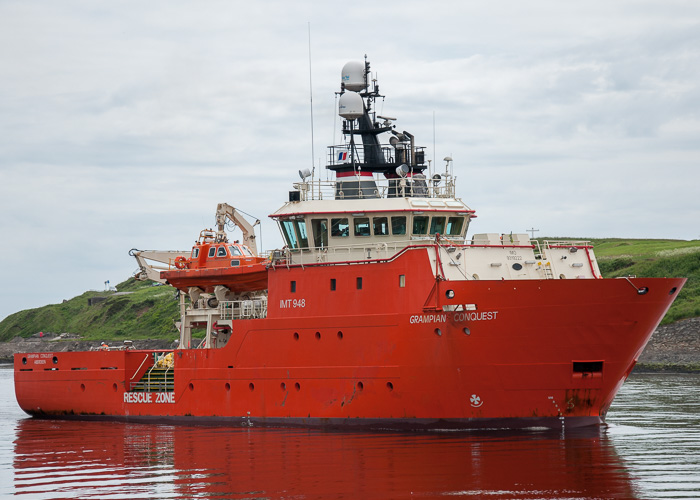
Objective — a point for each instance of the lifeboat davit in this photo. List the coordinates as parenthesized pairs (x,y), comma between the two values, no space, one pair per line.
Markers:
(213,263)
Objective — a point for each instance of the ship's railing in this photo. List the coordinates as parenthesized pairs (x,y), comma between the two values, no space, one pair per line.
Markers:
(243,309)
(317,189)
(359,252)
(392,155)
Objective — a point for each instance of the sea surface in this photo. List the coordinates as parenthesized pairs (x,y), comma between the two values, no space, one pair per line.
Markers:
(649,449)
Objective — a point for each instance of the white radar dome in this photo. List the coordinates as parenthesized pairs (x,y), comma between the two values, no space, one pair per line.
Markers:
(353,76)
(350,106)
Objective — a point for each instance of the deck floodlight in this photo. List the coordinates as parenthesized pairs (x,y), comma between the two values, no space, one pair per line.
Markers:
(304,174)
(402,170)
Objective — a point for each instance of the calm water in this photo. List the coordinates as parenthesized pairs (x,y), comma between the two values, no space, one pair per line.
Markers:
(650,449)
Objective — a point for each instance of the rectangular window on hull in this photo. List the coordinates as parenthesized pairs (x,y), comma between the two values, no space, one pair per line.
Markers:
(359,283)
(332,284)
(293,286)
(588,366)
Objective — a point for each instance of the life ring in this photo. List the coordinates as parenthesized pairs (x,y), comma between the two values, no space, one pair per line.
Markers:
(181,262)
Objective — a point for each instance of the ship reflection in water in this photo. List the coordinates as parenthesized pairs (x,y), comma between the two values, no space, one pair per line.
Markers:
(59,459)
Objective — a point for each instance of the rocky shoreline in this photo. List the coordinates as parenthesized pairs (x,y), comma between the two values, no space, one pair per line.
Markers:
(673,348)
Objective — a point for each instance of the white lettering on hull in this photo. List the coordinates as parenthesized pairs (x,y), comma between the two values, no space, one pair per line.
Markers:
(460,317)
(292,303)
(427,318)
(147,397)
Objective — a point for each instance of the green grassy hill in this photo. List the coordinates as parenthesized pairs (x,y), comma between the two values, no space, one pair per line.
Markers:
(150,311)
(138,310)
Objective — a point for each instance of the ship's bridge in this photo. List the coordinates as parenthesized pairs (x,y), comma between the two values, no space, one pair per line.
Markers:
(320,230)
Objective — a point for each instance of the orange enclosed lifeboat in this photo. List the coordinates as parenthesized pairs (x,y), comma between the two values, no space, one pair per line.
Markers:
(214,263)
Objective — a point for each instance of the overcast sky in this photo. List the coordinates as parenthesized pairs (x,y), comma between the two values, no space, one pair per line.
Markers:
(123,124)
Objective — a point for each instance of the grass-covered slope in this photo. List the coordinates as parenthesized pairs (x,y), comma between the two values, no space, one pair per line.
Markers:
(146,311)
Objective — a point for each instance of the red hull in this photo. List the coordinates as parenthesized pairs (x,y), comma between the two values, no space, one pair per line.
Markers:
(534,352)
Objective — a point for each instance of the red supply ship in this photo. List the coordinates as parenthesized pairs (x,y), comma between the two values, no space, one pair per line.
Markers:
(379,312)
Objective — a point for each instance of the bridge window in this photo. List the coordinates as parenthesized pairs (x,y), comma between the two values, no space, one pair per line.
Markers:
(195,253)
(212,251)
(221,252)
(398,225)
(340,227)
(381,226)
(294,232)
(420,224)
(289,234)
(454,226)
(320,230)
(235,251)
(437,225)
(247,251)
(301,232)
(361,226)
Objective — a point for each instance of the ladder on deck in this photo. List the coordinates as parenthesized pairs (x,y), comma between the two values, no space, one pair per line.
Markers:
(157,379)
(548,274)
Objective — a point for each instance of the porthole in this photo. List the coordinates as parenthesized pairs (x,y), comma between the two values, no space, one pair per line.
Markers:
(297,386)
(438,332)
(517,266)
(466,331)
(643,291)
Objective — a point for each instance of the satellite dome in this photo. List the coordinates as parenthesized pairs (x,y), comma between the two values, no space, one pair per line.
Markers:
(353,76)
(350,106)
